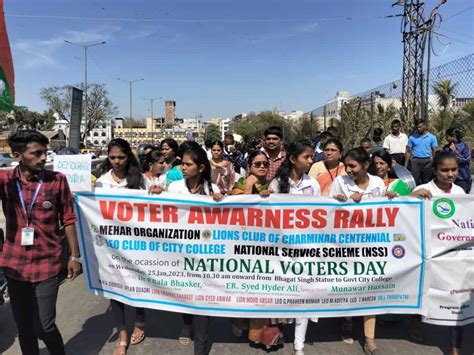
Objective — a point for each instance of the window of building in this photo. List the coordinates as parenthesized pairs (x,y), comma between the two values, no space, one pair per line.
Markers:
(96,134)
(104,134)
(96,142)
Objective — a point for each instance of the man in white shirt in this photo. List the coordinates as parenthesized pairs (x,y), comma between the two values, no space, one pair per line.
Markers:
(396,142)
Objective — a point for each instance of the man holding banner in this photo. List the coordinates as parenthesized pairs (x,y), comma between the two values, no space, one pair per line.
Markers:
(36,203)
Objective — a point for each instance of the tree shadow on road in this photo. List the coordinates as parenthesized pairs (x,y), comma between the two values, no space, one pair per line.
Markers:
(95,333)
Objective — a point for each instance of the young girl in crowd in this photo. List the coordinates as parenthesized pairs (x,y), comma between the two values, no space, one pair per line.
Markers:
(169,149)
(445,170)
(462,149)
(331,167)
(122,171)
(153,167)
(358,185)
(223,173)
(291,178)
(196,170)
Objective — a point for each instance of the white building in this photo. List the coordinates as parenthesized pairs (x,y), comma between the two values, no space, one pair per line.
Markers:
(334,106)
(222,123)
(294,115)
(98,137)
(101,135)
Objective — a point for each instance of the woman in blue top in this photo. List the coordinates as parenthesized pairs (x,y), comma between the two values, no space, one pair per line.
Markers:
(462,149)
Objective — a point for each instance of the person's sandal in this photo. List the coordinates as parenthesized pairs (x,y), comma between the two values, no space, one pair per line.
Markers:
(138,334)
(121,348)
(347,331)
(370,349)
(185,336)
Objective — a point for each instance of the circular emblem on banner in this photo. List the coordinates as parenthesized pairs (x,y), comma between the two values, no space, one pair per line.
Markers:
(47,205)
(206,235)
(94,228)
(444,208)
(99,240)
(398,251)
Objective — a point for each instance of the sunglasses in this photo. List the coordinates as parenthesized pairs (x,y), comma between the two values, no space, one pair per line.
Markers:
(261,164)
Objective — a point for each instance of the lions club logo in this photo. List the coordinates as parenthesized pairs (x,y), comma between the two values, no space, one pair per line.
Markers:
(398,251)
(206,235)
(444,208)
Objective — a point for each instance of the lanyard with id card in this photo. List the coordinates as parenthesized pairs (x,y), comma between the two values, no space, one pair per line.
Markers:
(28,233)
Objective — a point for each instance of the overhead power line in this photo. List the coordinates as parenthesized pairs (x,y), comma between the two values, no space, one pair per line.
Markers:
(128,19)
(459,13)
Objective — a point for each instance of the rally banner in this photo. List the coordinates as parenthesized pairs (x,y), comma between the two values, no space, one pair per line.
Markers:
(246,256)
(450,298)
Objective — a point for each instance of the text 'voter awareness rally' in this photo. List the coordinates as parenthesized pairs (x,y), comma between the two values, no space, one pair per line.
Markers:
(270,237)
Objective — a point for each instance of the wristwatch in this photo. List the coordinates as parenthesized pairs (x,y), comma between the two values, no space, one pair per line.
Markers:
(76,259)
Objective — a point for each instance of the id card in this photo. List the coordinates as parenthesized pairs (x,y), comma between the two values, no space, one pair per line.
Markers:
(27,236)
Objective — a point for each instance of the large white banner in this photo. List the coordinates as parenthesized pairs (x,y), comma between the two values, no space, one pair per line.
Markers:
(451,295)
(251,257)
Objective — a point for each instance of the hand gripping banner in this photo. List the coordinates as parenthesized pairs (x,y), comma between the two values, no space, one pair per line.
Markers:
(284,256)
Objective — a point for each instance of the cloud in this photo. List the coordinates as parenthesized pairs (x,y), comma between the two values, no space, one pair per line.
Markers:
(294,31)
(33,53)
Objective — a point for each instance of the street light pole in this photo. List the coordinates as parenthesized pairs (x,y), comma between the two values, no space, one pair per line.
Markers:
(152,100)
(130,83)
(86,47)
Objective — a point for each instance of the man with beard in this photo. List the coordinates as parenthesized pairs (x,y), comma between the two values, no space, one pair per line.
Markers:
(36,203)
(273,149)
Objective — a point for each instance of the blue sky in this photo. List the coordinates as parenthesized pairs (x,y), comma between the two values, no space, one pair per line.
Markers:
(218,58)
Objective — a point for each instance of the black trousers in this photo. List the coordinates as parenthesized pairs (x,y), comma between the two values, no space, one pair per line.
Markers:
(118,312)
(399,158)
(200,326)
(34,309)
(421,170)
(456,333)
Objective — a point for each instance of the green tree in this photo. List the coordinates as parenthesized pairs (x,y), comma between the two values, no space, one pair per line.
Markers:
(254,125)
(384,116)
(444,91)
(100,107)
(23,118)
(212,133)
(355,123)
(447,117)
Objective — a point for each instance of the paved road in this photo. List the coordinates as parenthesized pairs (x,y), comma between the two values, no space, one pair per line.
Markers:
(86,324)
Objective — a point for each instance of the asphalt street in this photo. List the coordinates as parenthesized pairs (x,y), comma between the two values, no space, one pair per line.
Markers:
(87,327)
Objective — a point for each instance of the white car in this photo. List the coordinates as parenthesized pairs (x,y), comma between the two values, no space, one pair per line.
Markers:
(5,160)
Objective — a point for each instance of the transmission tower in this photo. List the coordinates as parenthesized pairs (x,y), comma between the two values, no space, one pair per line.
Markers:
(412,79)
(415,86)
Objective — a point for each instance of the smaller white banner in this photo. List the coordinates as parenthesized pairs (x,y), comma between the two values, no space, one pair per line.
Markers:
(77,169)
(450,297)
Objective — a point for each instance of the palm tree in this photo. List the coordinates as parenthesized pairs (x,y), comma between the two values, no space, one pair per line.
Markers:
(447,117)
(444,91)
(354,123)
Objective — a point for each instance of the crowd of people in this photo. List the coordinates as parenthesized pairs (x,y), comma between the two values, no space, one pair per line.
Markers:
(43,205)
